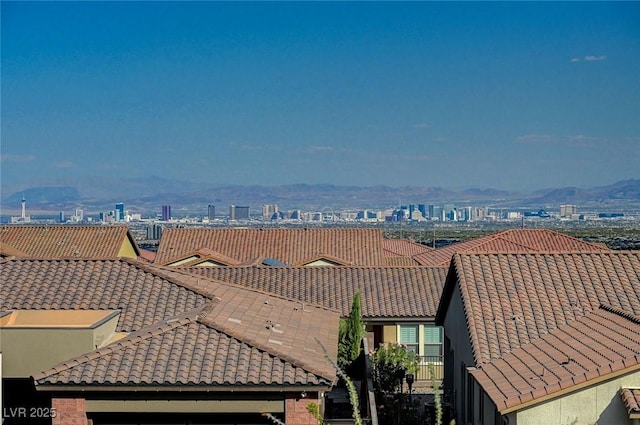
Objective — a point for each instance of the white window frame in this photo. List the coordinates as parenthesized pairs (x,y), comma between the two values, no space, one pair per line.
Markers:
(421,337)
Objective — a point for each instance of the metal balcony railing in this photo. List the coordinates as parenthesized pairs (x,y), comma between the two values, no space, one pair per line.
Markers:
(431,367)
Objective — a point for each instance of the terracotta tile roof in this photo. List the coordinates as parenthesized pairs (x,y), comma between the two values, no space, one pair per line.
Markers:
(403,247)
(46,284)
(510,241)
(356,246)
(146,255)
(9,251)
(596,346)
(67,241)
(288,330)
(513,299)
(400,261)
(387,292)
(285,327)
(185,351)
(631,399)
(203,255)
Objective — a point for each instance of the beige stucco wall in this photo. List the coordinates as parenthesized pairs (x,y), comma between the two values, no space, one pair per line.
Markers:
(127,250)
(30,350)
(599,404)
(390,333)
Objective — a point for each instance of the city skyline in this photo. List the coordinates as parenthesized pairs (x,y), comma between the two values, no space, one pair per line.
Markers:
(506,95)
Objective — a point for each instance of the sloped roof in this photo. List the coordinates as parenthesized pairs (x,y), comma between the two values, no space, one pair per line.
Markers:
(67,241)
(143,296)
(403,247)
(387,292)
(356,246)
(283,326)
(631,400)
(9,251)
(187,350)
(200,255)
(400,261)
(596,346)
(513,299)
(146,295)
(146,255)
(510,241)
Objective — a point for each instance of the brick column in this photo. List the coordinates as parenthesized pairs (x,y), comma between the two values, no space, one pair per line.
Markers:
(69,411)
(295,409)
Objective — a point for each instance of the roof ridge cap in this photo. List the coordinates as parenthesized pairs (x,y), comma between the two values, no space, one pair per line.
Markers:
(620,312)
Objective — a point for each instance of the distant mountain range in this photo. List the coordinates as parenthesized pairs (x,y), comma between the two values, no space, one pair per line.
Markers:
(149,194)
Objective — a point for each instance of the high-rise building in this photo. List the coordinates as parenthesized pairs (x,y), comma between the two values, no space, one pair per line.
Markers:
(423,209)
(154,231)
(567,210)
(120,212)
(61,217)
(211,212)
(166,212)
(435,212)
(268,212)
(238,213)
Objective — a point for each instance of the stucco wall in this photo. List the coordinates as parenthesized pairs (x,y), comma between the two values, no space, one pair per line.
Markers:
(599,404)
(127,250)
(29,351)
(390,333)
(455,329)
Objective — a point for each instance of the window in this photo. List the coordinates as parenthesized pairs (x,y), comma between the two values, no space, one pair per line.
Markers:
(432,341)
(423,339)
(410,336)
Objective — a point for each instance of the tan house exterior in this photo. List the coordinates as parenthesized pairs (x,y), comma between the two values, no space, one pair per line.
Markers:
(398,303)
(68,241)
(115,341)
(541,338)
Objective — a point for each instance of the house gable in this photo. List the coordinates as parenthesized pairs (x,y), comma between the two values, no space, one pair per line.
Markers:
(71,241)
(358,246)
(510,241)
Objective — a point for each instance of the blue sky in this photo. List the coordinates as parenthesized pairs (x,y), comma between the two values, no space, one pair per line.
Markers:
(507,95)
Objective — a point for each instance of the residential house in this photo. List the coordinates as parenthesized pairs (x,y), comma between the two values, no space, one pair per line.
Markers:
(116,341)
(398,303)
(536,338)
(68,241)
(400,252)
(509,241)
(206,247)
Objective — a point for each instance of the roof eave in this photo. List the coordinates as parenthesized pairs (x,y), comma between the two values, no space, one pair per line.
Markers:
(568,390)
(181,388)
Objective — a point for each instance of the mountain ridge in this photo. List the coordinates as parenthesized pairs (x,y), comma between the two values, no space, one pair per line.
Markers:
(150,193)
